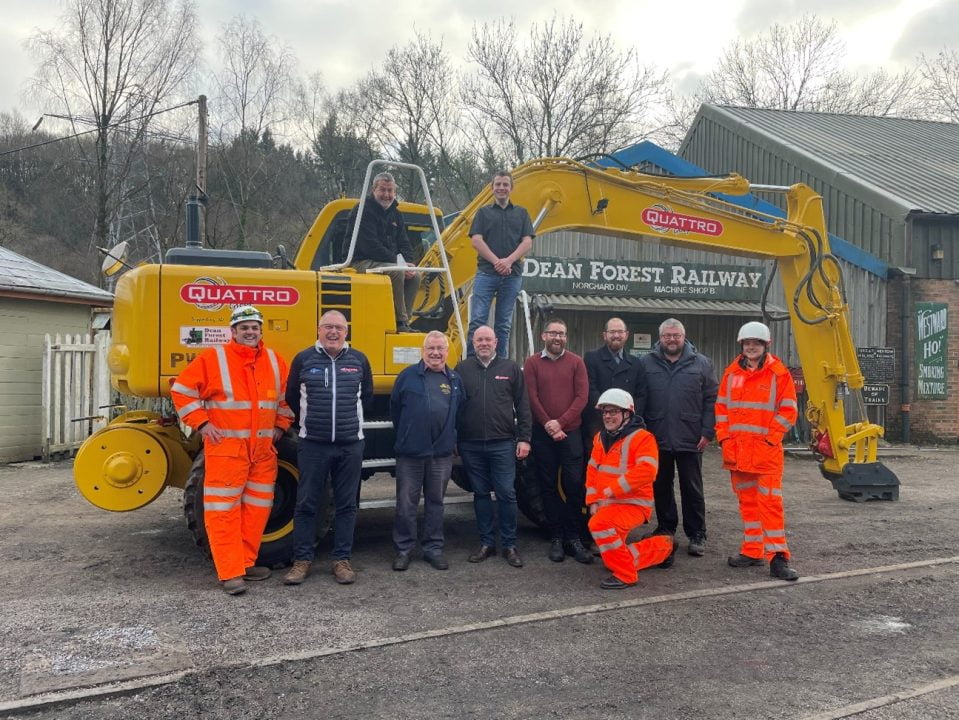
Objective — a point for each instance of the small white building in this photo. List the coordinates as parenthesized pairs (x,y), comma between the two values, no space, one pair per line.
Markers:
(35,300)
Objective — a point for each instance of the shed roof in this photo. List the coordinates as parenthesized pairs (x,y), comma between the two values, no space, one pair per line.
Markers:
(914,163)
(22,276)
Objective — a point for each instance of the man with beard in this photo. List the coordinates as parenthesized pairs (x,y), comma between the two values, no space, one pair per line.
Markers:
(233,396)
(619,491)
(680,398)
(382,241)
(558,390)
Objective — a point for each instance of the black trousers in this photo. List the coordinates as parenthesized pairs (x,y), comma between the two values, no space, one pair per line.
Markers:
(562,460)
(690,467)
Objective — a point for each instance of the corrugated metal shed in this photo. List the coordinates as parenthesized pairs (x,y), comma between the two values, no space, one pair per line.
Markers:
(914,163)
(23,277)
(890,186)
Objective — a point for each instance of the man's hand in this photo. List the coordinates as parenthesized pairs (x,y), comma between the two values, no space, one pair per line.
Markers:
(593,508)
(522,450)
(409,273)
(701,445)
(559,436)
(552,427)
(211,434)
(277,434)
(503,266)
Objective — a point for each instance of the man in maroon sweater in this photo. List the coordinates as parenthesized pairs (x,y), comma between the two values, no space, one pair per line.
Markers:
(558,390)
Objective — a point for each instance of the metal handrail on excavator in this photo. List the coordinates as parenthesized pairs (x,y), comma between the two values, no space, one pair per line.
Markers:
(445,270)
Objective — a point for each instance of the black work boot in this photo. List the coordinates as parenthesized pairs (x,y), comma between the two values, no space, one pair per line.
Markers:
(556,553)
(779,568)
(578,551)
(741,561)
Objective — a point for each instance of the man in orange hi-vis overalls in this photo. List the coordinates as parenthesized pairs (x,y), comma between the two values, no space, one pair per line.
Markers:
(233,395)
(619,491)
(755,408)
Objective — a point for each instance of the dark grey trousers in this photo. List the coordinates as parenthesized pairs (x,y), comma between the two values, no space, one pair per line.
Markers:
(413,476)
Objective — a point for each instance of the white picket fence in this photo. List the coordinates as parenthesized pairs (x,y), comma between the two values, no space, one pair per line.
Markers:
(76,391)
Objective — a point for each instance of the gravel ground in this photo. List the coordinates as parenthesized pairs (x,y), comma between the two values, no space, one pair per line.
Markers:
(88,597)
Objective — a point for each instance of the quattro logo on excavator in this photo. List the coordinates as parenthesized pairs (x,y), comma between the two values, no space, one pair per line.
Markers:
(208,294)
(662,218)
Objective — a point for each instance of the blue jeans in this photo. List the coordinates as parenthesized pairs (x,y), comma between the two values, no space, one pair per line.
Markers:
(316,461)
(506,289)
(492,466)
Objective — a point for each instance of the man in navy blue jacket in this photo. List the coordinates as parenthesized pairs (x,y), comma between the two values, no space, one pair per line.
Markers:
(328,386)
(424,405)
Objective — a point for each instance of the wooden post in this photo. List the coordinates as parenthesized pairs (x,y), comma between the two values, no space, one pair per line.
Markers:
(201,165)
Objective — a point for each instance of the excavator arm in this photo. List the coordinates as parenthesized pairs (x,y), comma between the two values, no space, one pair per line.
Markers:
(563,194)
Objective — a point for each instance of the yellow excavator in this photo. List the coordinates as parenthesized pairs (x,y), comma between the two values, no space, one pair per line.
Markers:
(164,314)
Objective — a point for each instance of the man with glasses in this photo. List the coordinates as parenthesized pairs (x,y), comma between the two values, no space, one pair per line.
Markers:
(611,366)
(681,394)
(328,386)
(558,391)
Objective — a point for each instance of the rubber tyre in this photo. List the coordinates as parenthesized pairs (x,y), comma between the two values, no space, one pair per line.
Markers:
(276,550)
(528,496)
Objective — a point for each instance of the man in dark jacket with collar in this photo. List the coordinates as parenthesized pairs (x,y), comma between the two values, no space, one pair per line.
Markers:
(493,433)
(328,386)
(426,400)
(381,241)
(681,393)
(611,366)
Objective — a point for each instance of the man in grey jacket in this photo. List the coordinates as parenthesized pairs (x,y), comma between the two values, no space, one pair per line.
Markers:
(681,392)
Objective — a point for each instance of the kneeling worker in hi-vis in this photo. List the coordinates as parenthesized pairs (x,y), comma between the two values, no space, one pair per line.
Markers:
(233,395)
(619,491)
(755,408)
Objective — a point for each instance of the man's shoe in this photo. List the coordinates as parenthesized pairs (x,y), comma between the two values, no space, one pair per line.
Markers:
(512,557)
(484,552)
(257,572)
(742,561)
(614,583)
(297,573)
(658,531)
(592,547)
(697,545)
(437,560)
(342,572)
(401,561)
(234,586)
(668,562)
(779,568)
(556,552)
(404,328)
(576,550)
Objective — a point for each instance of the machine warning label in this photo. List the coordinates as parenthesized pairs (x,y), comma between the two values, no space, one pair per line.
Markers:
(662,218)
(194,336)
(406,355)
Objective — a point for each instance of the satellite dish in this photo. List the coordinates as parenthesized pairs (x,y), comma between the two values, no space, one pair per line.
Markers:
(115,259)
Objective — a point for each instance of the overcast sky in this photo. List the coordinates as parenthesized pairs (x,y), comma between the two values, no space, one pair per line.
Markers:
(344,38)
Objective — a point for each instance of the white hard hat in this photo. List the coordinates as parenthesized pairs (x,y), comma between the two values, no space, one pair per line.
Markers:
(245,313)
(754,331)
(617,397)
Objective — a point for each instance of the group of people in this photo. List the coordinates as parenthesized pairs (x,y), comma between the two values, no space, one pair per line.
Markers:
(608,431)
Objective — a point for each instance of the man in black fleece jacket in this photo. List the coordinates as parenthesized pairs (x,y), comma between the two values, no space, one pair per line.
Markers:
(493,432)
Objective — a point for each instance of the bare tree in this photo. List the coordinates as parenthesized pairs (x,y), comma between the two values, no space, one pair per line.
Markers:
(941,78)
(558,94)
(254,99)
(798,67)
(113,65)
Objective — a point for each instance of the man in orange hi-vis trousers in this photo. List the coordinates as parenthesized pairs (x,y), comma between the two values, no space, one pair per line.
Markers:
(619,491)
(755,408)
(233,395)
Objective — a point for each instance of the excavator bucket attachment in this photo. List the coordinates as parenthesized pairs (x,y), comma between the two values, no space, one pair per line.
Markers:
(860,482)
